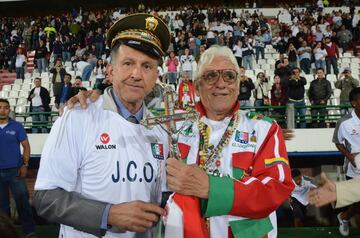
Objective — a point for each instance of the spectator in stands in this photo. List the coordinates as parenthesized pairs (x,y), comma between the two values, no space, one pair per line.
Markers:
(346,82)
(346,140)
(296,94)
(103,85)
(58,72)
(283,69)
(259,45)
(76,87)
(345,38)
(304,53)
(278,98)
(64,93)
(57,48)
(238,52)
(320,55)
(99,41)
(13,168)
(40,57)
(172,63)
(186,92)
(332,56)
(39,98)
(20,63)
(319,93)
(3,60)
(299,196)
(66,48)
(247,52)
(99,71)
(85,66)
(292,56)
(245,89)
(186,61)
(262,89)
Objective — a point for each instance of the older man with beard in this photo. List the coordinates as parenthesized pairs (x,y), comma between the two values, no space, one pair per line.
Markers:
(234,164)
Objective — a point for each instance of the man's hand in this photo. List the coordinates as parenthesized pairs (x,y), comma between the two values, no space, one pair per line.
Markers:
(323,195)
(352,159)
(187,179)
(22,171)
(136,216)
(288,134)
(81,98)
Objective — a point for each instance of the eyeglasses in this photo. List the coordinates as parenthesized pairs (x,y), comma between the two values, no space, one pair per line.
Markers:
(211,77)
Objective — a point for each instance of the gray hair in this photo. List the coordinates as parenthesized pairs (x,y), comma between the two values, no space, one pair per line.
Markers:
(211,53)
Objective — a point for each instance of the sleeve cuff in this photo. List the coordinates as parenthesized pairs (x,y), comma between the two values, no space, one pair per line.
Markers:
(221,196)
(104,219)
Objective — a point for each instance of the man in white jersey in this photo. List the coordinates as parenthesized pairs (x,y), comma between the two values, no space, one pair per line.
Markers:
(238,166)
(100,170)
(347,140)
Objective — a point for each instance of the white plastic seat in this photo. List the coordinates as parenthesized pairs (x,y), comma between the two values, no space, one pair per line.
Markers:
(14,94)
(309,78)
(22,101)
(18,81)
(16,87)
(6,88)
(331,77)
(4,94)
(20,109)
(12,102)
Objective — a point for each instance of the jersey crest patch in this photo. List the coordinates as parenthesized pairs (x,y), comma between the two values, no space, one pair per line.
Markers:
(157,151)
(242,137)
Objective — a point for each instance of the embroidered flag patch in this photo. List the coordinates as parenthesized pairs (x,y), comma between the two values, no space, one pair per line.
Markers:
(242,137)
(157,151)
(272,161)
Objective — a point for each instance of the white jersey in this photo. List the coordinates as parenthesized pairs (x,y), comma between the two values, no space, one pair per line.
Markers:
(301,192)
(347,132)
(102,156)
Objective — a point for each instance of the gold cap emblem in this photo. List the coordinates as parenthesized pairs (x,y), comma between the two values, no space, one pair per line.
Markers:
(151,23)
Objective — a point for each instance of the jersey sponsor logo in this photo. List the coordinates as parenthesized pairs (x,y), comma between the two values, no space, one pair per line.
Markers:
(10,132)
(132,172)
(105,139)
(157,151)
(242,137)
(354,132)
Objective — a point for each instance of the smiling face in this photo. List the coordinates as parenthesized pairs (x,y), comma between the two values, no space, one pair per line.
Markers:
(219,98)
(133,75)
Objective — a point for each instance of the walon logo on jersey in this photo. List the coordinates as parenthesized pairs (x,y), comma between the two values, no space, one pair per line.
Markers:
(105,139)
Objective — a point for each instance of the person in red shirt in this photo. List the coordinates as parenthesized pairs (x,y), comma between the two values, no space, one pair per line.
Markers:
(332,56)
(186,95)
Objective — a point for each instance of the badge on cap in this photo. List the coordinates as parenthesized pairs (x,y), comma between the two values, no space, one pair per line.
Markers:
(151,23)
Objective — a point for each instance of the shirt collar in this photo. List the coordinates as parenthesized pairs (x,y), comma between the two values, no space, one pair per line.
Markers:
(355,117)
(124,112)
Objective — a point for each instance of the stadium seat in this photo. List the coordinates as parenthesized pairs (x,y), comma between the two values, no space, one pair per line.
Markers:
(12,102)
(14,94)
(309,78)
(331,77)
(347,54)
(22,101)
(6,88)
(4,94)
(26,87)
(20,109)
(18,81)
(250,73)
(16,87)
